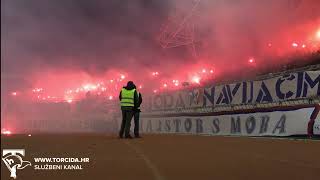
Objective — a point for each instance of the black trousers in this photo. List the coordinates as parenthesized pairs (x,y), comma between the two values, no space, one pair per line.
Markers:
(126,122)
(136,117)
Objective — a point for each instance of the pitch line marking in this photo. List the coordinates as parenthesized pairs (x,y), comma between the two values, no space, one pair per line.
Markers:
(147,161)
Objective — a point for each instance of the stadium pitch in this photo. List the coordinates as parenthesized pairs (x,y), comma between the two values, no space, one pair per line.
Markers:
(163,157)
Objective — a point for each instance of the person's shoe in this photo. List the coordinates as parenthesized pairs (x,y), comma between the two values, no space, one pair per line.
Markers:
(128,137)
(138,136)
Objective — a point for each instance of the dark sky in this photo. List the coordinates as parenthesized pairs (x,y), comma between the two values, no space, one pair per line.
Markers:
(95,36)
(83,34)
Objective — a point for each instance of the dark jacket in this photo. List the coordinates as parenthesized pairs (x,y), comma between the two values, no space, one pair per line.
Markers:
(136,99)
(137,108)
(139,100)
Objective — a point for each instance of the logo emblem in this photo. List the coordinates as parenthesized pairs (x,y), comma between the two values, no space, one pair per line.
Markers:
(12,158)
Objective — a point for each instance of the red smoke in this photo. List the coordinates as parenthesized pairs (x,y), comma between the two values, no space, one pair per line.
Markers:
(231,39)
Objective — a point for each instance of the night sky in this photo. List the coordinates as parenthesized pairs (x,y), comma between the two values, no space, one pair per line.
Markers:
(78,34)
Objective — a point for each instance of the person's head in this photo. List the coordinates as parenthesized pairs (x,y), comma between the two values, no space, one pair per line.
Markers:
(130,85)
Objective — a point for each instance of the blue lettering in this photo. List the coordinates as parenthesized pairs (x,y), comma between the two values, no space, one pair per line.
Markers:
(280,94)
(264,94)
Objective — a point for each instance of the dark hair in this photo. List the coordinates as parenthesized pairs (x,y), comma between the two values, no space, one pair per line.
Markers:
(130,84)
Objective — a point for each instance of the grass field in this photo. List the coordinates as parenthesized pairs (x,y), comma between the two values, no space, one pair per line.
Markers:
(168,157)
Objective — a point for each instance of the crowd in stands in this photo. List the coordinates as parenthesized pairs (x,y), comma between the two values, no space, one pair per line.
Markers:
(294,64)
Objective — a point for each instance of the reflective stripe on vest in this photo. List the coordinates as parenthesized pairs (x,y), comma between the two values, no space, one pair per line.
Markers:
(127,97)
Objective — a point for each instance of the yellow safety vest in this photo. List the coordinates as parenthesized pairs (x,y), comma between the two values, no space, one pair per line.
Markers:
(127,97)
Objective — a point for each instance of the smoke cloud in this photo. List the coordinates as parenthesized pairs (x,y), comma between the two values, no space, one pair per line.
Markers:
(41,38)
(60,45)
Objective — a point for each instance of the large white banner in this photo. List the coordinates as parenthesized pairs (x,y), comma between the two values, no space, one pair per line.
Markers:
(277,123)
(281,88)
(82,116)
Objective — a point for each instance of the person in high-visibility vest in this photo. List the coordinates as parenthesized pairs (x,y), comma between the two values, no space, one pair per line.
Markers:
(136,115)
(128,99)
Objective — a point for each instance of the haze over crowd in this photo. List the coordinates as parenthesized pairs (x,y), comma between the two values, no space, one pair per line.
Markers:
(61,44)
